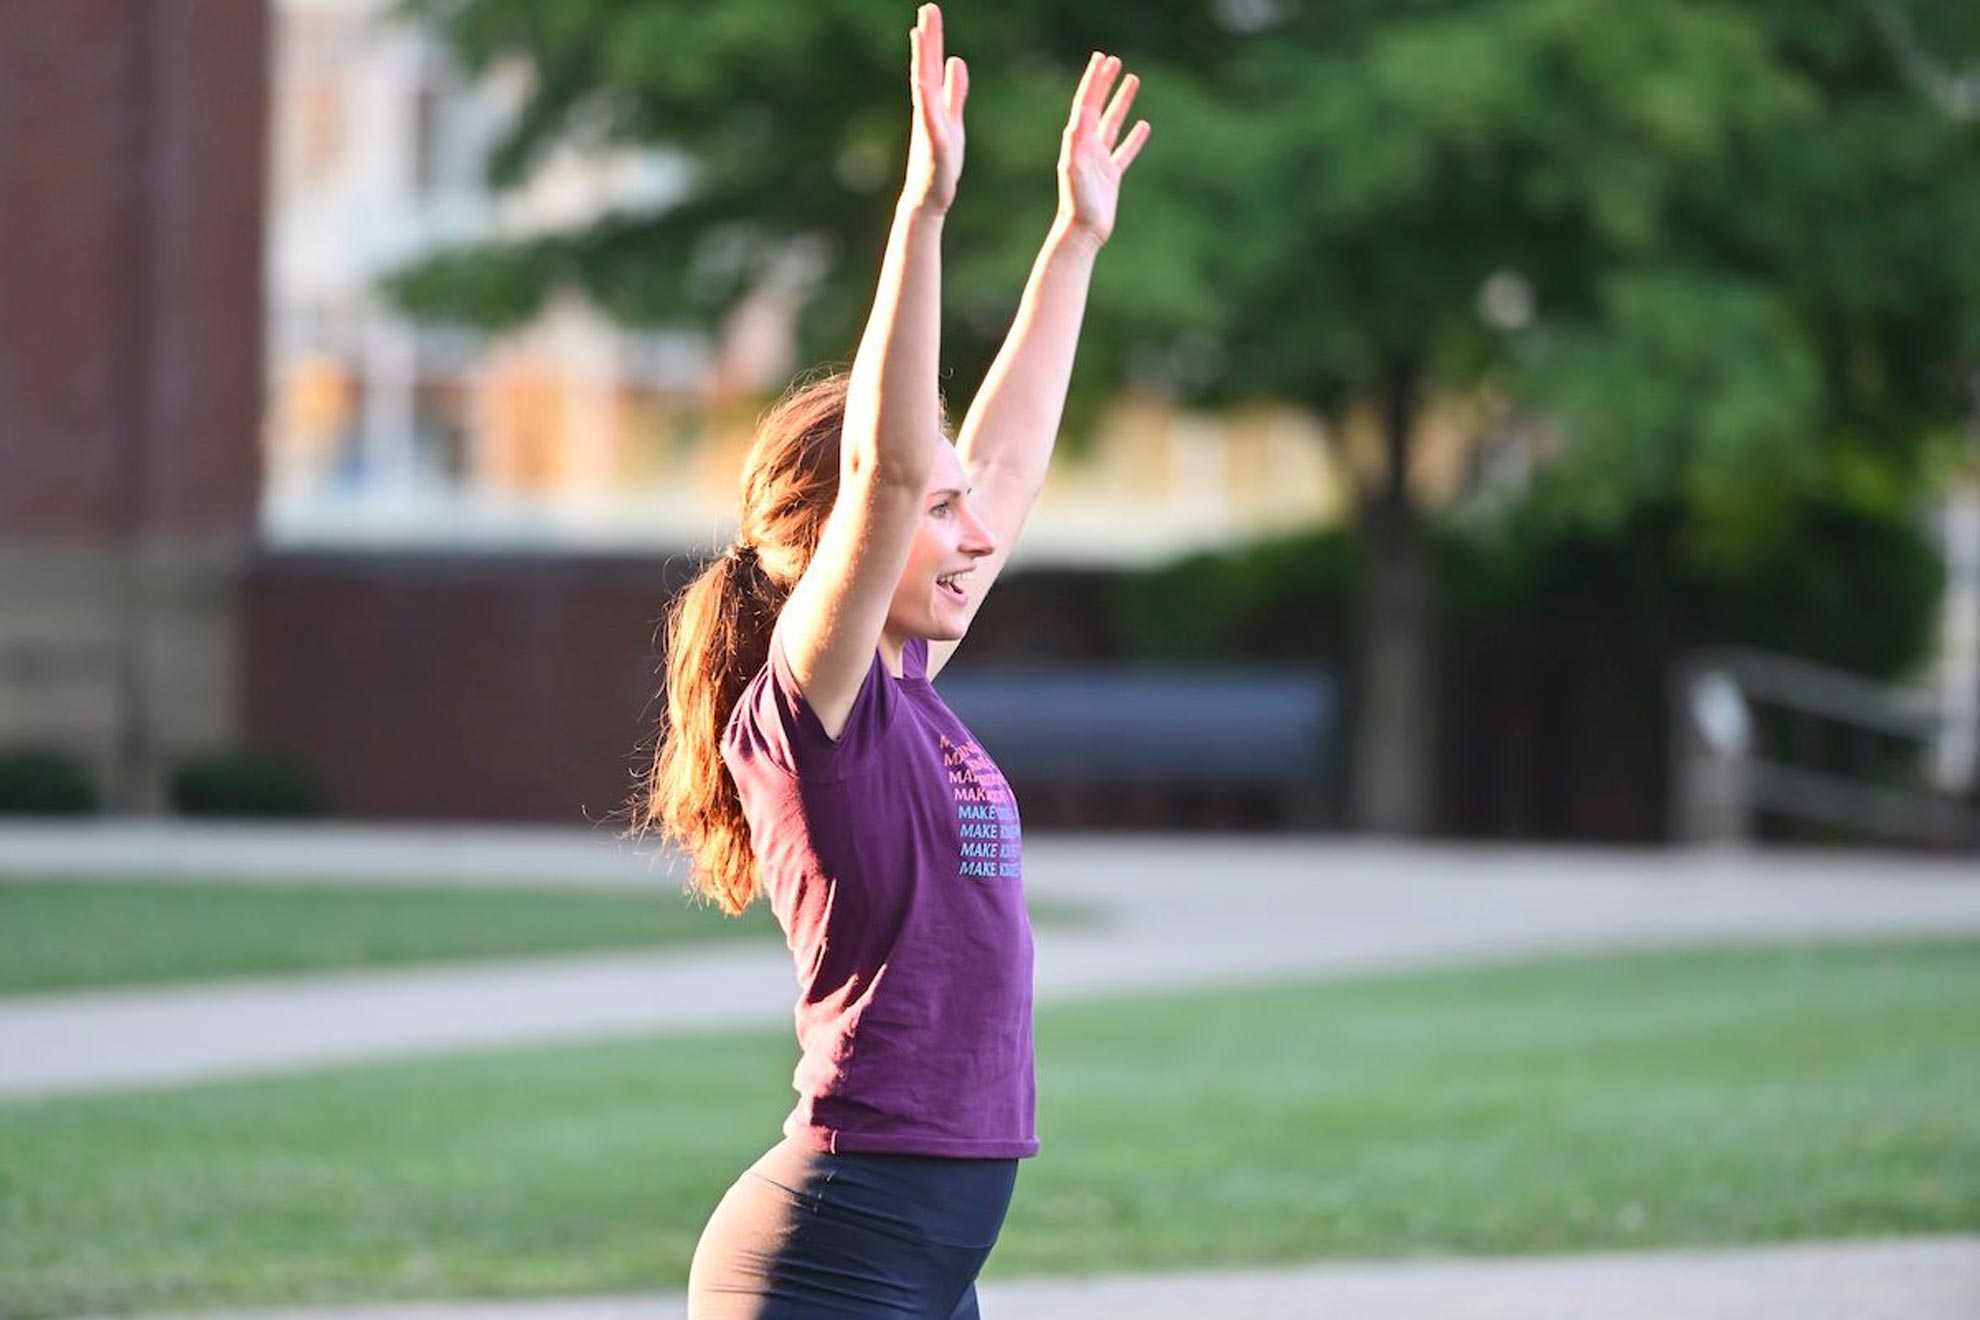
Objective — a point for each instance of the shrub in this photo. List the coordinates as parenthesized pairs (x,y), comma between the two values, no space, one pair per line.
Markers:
(254,781)
(41,782)
(1283,598)
(1554,642)
(1848,587)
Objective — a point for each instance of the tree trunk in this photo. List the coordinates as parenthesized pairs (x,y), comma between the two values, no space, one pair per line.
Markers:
(1392,772)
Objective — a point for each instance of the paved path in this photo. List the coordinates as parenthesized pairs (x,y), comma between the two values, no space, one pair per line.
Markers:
(1907,1279)
(1180,911)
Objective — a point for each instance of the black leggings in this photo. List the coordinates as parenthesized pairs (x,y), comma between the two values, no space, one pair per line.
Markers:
(805,1234)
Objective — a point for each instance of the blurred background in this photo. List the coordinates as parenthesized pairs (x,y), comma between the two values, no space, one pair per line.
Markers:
(1547,422)
(1461,375)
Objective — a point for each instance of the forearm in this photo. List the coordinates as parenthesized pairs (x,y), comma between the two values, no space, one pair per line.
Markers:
(1013,423)
(891,399)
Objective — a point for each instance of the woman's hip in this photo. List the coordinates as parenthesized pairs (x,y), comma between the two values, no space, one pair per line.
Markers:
(808,1233)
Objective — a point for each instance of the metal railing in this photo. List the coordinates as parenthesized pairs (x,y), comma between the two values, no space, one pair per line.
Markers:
(1732,706)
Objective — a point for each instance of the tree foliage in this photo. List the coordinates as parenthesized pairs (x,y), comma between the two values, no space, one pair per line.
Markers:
(1745,228)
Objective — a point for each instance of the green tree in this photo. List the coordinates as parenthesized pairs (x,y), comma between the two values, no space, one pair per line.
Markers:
(1738,227)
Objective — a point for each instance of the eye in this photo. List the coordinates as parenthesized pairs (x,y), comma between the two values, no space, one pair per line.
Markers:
(944,509)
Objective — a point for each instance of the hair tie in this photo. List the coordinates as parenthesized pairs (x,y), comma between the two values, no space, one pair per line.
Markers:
(739,552)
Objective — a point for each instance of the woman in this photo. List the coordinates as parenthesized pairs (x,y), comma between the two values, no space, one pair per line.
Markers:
(806,757)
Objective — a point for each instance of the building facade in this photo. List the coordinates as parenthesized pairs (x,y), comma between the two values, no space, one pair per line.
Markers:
(132,180)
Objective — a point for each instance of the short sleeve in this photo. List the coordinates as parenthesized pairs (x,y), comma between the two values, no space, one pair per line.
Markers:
(773,722)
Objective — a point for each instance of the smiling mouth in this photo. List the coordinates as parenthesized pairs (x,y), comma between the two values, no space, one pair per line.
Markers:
(952,584)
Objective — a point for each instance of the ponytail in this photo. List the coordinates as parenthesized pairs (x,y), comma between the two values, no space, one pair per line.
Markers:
(718,637)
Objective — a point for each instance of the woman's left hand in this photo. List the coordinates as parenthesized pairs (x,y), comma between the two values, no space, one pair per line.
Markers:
(1090,162)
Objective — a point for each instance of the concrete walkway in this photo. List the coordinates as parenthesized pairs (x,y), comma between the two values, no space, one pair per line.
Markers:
(1907,1279)
(1178,912)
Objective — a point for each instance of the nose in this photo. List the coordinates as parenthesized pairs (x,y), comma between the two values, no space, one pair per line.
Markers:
(977,538)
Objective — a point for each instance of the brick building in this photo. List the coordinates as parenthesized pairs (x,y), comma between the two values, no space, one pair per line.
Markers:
(132,148)
(242,500)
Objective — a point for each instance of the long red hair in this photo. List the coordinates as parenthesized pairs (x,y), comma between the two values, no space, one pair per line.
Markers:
(718,637)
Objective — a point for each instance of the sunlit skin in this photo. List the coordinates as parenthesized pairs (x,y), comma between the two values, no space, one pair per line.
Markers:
(947,513)
(950,539)
(1018,408)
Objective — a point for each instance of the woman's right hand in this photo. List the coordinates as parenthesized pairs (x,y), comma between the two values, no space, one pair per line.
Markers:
(935,154)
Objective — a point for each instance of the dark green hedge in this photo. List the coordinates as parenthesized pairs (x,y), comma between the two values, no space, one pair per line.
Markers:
(1847,587)
(1850,588)
(38,781)
(254,782)
(1285,598)
(1553,647)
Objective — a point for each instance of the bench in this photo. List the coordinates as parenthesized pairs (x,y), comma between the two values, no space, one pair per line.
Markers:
(1195,732)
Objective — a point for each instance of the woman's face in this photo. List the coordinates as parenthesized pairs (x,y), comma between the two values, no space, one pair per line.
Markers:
(934,597)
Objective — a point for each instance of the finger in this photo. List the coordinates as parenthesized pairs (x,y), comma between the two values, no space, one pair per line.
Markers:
(1095,91)
(918,78)
(955,86)
(1128,150)
(918,43)
(931,43)
(1117,113)
(1085,82)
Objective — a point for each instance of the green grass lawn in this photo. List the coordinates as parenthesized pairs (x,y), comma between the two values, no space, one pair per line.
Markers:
(1715,1097)
(74,933)
(77,934)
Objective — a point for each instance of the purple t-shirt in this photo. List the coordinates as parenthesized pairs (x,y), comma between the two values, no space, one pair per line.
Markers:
(892,860)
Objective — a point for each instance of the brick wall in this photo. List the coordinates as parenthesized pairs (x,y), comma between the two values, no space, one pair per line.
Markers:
(131,200)
(471,687)
(514,687)
(131,180)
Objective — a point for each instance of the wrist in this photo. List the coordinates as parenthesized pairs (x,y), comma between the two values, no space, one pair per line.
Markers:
(1075,239)
(920,210)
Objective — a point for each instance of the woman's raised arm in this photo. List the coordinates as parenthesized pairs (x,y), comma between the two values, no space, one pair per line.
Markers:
(1007,438)
(832,622)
